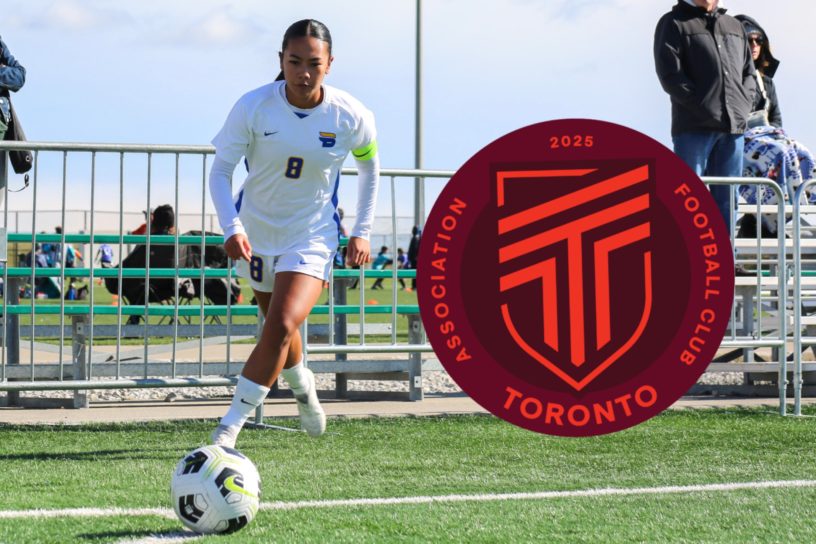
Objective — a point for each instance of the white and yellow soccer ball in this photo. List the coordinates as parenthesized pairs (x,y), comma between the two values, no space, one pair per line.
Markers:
(215,490)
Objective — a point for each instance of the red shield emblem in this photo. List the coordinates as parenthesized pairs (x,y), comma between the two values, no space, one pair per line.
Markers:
(575,277)
(574,257)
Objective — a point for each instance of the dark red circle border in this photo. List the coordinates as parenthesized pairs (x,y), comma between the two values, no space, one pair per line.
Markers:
(460,297)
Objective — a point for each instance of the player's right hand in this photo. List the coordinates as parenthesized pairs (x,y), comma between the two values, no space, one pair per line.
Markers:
(238,247)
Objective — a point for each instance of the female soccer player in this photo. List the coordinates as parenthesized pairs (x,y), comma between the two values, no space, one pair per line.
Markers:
(282,228)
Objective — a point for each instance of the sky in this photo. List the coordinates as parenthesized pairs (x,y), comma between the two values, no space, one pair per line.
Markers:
(169,72)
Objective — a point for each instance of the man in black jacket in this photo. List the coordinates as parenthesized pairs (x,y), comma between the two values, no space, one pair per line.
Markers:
(12,78)
(704,64)
(162,255)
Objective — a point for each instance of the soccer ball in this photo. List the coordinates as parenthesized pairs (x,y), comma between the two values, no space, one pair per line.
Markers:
(215,490)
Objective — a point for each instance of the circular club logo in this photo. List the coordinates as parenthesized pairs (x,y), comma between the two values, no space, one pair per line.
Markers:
(575,277)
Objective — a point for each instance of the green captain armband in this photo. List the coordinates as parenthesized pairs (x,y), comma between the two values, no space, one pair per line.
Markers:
(366,153)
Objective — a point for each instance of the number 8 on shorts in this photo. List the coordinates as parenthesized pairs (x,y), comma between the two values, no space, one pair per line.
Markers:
(256,266)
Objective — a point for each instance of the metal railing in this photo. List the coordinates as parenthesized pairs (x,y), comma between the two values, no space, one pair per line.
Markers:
(752,288)
(83,369)
(803,285)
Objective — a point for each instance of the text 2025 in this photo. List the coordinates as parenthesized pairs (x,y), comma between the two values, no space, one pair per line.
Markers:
(577,140)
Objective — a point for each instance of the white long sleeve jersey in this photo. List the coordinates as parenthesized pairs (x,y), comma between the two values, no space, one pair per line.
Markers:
(293,159)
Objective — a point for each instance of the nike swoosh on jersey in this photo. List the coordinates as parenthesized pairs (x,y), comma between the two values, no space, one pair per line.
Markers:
(270,133)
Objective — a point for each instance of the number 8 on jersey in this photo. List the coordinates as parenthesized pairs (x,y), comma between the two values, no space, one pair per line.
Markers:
(294,167)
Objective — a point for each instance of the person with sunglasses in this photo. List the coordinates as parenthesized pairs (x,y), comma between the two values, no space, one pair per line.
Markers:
(766,64)
(769,152)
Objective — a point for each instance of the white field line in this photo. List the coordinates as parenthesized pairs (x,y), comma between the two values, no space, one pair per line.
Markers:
(539,495)
(87,513)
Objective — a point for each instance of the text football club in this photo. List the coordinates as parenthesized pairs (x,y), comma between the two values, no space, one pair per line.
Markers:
(575,277)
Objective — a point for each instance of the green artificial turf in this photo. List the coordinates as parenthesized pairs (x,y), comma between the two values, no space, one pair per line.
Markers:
(129,466)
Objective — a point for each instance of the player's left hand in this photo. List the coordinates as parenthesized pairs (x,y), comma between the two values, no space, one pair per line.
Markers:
(359,251)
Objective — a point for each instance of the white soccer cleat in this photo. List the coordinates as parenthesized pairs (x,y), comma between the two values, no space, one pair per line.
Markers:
(312,416)
(224,435)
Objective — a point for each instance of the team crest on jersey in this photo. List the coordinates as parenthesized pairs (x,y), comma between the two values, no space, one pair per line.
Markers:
(328,139)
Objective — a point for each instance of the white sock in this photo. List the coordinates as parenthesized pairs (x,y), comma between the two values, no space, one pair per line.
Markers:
(248,395)
(296,377)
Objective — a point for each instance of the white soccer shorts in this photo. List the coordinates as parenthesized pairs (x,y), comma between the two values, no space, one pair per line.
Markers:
(313,261)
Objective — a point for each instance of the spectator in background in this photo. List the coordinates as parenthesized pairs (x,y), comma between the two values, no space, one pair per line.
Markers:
(48,286)
(104,256)
(765,99)
(73,259)
(402,262)
(12,78)
(72,256)
(413,251)
(163,220)
(160,256)
(40,257)
(66,255)
(704,64)
(382,260)
(55,250)
(769,151)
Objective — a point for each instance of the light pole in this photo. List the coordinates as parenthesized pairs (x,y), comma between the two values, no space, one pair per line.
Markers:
(419,183)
